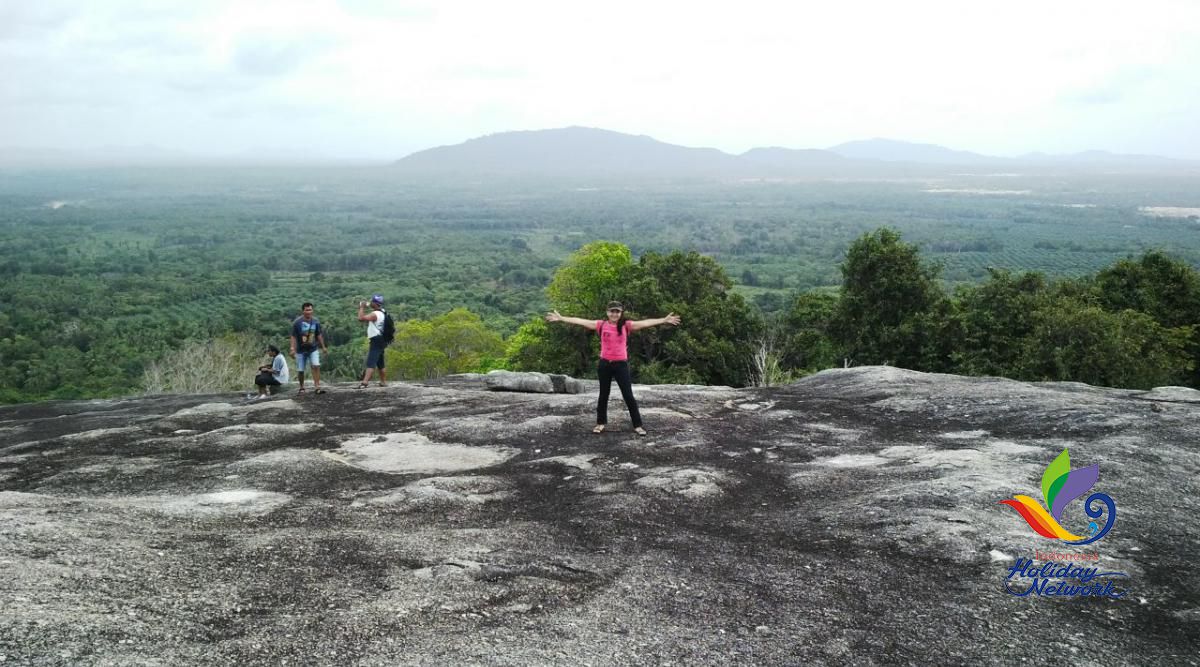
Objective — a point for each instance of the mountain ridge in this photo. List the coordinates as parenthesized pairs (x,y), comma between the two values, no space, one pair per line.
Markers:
(590,150)
(584,150)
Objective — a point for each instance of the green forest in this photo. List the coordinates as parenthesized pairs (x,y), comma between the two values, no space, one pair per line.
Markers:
(120,281)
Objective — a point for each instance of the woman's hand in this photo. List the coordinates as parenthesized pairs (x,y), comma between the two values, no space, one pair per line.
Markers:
(553,316)
(672,319)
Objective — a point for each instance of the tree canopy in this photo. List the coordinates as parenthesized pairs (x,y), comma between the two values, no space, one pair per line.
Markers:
(711,346)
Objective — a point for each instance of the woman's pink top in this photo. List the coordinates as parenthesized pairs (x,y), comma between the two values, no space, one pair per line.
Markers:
(612,346)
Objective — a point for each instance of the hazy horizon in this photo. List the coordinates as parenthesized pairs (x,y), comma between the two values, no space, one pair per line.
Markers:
(151,154)
(366,80)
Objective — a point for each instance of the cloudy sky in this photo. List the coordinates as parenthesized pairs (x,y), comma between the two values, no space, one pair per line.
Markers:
(376,79)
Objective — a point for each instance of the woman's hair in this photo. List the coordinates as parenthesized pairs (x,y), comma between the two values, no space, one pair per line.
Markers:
(273,349)
(620,321)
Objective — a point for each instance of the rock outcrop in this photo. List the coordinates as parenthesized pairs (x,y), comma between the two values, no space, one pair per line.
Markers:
(850,518)
(539,383)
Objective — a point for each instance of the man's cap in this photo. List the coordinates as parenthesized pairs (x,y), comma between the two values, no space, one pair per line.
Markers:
(378,298)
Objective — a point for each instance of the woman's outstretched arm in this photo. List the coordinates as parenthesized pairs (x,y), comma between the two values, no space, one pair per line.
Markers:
(553,316)
(671,319)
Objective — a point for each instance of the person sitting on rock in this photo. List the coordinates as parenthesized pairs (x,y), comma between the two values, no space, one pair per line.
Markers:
(614,357)
(273,374)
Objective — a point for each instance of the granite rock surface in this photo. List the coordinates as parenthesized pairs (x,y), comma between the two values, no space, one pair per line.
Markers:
(850,518)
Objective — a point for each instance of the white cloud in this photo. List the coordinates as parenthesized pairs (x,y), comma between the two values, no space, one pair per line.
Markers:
(363,77)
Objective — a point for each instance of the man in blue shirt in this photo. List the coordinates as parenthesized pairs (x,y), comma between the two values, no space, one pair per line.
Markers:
(307,344)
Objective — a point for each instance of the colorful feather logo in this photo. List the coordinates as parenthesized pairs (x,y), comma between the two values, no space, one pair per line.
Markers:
(1061,485)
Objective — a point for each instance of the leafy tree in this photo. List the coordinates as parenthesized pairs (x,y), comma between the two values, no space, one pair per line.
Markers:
(659,372)
(538,346)
(770,302)
(456,342)
(719,329)
(1084,343)
(887,296)
(1164,288)
(806,331)
(589,279)
(996,317)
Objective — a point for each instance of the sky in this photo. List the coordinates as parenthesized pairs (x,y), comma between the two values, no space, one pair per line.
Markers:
(367,79)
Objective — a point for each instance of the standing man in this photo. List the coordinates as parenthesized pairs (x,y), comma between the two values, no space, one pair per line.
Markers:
(375,338)
(307,344)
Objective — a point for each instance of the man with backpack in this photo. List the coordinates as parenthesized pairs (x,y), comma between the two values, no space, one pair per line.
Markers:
(308,341)
(380,332)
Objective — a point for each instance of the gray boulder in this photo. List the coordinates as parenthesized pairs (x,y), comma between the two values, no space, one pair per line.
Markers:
(538,383)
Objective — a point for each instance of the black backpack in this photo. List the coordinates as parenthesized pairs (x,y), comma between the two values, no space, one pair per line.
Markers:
(389,329)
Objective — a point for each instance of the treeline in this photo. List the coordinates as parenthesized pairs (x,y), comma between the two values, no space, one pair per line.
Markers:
(1132,324)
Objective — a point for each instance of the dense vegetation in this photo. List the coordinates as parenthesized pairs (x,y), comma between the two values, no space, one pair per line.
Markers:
(108,273)
(1134,324)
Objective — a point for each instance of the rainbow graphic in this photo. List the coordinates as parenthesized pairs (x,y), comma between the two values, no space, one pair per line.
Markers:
(1061,485)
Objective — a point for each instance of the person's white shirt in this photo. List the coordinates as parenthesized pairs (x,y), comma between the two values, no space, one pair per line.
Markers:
(279,369)
(375,326)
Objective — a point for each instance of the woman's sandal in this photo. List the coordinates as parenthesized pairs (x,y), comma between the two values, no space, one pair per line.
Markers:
(301,390)
(319,391)
(640,431)
(361,385)
(599,428)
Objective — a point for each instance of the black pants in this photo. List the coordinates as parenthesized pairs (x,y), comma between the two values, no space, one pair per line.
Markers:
(265,379)
(619,371)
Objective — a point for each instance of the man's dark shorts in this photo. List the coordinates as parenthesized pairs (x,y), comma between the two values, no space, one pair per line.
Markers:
(375,353)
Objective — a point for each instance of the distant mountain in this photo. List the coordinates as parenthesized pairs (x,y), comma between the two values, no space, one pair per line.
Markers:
(890,150)
(775,156)
(570,151)
(582,152)
(590,152)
